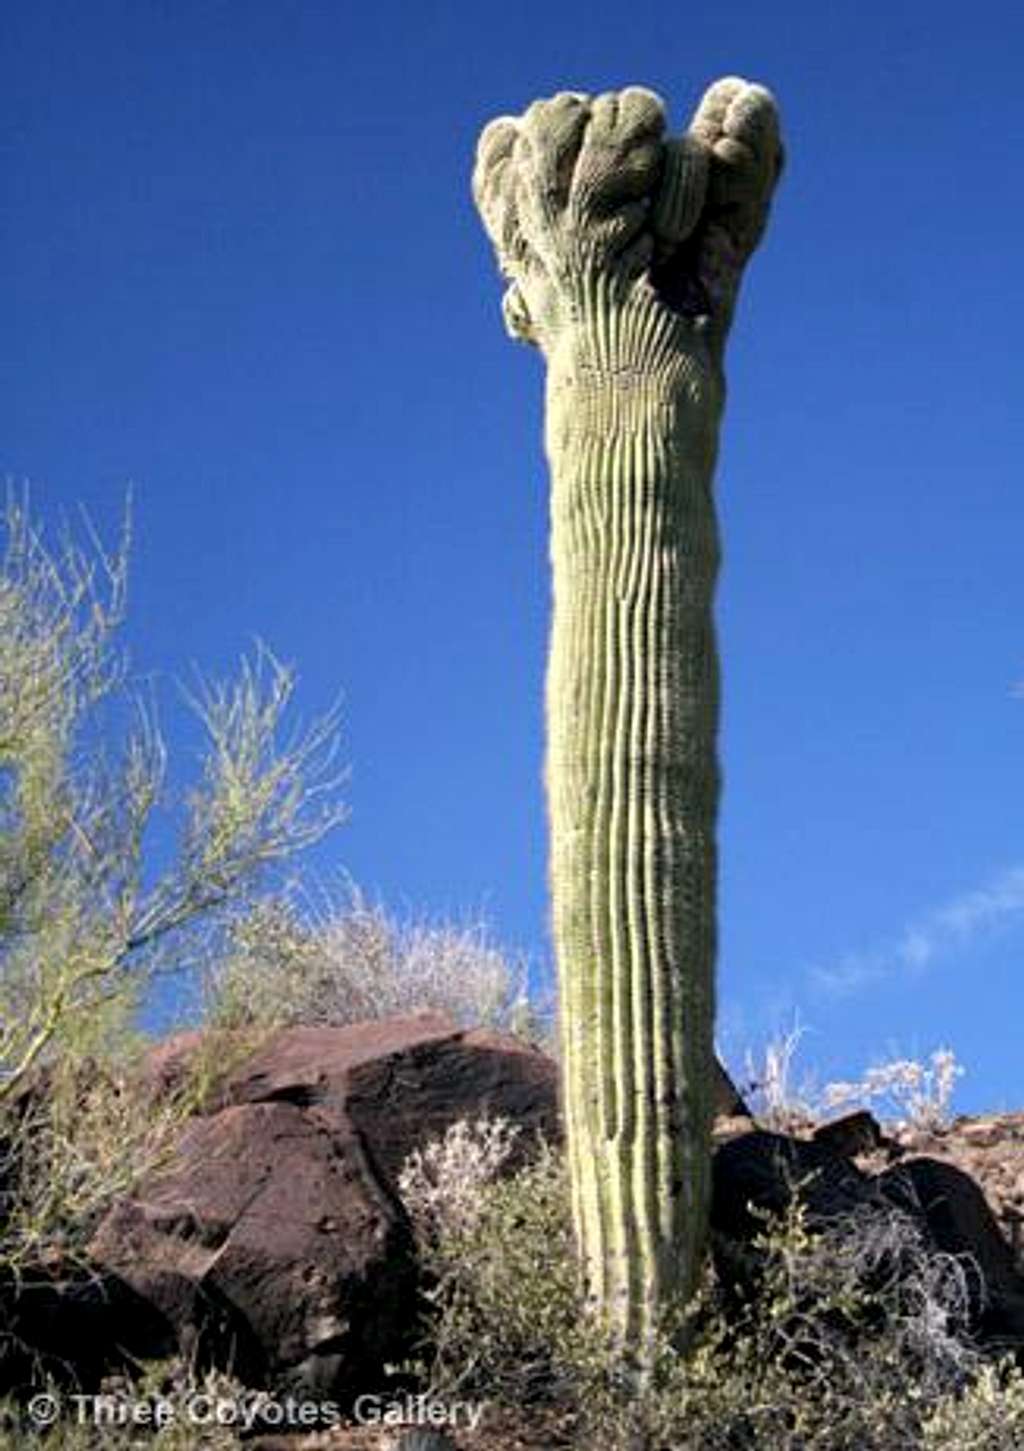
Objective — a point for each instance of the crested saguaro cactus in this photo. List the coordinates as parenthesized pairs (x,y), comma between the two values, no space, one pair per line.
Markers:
(623,250)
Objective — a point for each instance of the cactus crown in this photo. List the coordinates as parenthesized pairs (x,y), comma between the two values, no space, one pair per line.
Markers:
(580,182)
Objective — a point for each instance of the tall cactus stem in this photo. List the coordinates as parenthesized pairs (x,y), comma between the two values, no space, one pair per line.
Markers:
(624,251)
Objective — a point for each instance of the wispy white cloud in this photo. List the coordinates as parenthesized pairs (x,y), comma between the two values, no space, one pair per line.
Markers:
(950,927)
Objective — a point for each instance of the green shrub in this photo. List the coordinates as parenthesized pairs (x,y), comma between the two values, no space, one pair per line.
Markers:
(989,1414)
(84,921)
(500,1254)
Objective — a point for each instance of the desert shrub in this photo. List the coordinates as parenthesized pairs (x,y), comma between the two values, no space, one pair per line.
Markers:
(856,1338)
(504,1302)
(352,960)
(84,919)
(987,1416)
(441,1183)
(918,1094)
(769,1083)
(87,1134)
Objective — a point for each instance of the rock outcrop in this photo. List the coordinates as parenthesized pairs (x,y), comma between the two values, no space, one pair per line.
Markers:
(275,1244)
(990,1148)
(850,1168)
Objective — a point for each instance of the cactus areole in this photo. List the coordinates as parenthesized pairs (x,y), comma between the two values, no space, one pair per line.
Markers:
(623,251)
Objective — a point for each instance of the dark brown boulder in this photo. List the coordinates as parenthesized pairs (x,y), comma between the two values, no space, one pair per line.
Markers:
(270,1249)
(403,1081)
(275,1243)
(854,1133)
(761,1172)
(301,1063)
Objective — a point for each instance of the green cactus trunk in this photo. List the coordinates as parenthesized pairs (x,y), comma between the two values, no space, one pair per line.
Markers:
(632,705)
(624,252)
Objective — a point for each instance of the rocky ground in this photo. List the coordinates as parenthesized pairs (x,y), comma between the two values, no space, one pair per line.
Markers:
(500,1429)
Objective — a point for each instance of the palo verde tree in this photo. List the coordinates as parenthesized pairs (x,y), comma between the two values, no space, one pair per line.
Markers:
(623,250)
(85,919)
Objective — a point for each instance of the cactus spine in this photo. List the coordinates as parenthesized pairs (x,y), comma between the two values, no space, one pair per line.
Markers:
(623,252)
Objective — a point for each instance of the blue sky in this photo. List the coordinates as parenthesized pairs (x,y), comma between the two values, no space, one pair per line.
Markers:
(241,269)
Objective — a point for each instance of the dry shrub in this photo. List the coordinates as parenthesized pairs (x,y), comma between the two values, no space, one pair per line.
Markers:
(770,1087)
(918,1094)
(80,1137)
(440,1183)
(502,1304)
(857,1337)
(354,961)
